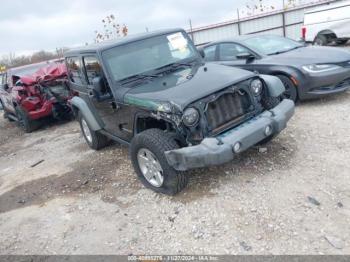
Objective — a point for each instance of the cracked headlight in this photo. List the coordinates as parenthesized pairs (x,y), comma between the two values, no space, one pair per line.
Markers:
(164,107)
(256,86)
(190,117)
(320,68)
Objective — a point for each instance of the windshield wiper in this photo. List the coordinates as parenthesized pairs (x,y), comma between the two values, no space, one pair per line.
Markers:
(285,51)
(137,77)
(174,65)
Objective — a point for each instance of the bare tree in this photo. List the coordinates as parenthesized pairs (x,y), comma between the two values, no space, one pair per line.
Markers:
(255,7)
(111,29)
(11,60)
(60,51)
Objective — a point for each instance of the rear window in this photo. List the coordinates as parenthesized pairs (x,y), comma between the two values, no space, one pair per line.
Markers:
(75,72)
(92,67)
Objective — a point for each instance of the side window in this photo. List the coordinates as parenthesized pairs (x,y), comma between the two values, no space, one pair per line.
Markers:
(210,53)
(92,67)
(74,69)
(229,51)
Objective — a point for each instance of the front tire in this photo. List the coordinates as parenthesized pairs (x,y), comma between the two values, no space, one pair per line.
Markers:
(94,139)
(291,90)
(150,164)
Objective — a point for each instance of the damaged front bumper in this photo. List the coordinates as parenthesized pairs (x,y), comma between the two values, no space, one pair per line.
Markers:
(223,148)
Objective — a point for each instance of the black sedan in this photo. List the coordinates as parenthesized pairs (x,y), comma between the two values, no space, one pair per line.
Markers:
(306,71)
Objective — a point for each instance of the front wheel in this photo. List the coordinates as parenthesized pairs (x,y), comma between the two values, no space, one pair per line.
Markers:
(150,164)
(291,90)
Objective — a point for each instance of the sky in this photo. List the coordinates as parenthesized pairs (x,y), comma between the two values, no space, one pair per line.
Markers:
(27,26)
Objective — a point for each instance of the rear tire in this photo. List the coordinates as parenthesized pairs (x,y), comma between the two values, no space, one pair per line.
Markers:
(291,90)
(321,40)
(24,122)
(151,144)
(94,139)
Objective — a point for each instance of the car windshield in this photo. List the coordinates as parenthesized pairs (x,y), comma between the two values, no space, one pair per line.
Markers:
(148,55)
(270,45)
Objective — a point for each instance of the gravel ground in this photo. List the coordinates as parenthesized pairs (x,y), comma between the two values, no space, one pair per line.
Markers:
(291,196)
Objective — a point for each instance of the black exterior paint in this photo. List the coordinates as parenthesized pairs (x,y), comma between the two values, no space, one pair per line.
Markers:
(290,64)
(187,85)
(181,87)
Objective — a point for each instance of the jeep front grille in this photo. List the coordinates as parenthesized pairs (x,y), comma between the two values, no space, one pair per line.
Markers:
(227,111)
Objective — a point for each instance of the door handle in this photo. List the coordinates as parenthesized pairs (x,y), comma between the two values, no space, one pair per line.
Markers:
(91,94)
(114,105)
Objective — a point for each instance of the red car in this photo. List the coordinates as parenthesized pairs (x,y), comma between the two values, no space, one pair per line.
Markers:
(31,93)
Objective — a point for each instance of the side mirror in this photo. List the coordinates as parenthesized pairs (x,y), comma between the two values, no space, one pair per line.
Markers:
(99,91)
(201,51)
(245,56)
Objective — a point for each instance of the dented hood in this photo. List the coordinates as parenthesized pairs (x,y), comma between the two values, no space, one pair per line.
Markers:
(44,74)
(187,85)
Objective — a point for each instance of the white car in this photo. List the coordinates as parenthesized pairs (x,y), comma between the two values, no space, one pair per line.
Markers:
(328,23)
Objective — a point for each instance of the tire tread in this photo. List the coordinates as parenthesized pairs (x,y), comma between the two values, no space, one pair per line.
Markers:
(162,142)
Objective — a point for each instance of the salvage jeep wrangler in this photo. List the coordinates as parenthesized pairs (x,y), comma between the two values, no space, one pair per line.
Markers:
(154,93)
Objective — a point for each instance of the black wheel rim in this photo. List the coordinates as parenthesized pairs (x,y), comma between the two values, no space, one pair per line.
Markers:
(289,93)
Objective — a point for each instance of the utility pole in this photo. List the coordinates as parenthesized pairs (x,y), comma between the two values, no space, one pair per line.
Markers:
(191,30)
(238,23)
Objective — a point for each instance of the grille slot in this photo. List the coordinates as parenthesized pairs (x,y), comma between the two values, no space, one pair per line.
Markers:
(227,110)
(345,64)
(343,84)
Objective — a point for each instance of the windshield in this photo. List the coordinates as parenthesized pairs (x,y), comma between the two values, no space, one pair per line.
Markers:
(148,55)
(269,45)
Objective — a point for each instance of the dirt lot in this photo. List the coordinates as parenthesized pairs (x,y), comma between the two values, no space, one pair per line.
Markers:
(290,197)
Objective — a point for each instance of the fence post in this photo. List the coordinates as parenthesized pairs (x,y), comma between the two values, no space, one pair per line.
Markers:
(238,22)
(284,17)
(284,23)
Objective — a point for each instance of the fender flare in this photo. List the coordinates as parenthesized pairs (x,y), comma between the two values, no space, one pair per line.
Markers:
(275,86)
(84,109)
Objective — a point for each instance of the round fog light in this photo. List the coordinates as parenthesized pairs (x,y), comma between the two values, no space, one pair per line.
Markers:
(237,147)
(268,130)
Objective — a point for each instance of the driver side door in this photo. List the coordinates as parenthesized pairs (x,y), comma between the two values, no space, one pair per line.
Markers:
(115,116)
